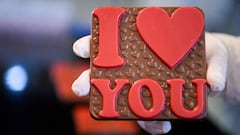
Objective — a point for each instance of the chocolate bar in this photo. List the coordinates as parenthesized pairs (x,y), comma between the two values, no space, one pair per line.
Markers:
(147,63)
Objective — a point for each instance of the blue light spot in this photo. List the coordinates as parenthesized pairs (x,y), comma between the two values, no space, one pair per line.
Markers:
(16,78)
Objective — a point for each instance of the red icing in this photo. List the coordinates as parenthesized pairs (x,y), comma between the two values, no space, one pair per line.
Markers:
(135,101)
(170,37)
(109,95)
(176,98)
(108,56)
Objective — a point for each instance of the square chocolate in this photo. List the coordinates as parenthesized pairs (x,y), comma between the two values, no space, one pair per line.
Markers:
(148,63)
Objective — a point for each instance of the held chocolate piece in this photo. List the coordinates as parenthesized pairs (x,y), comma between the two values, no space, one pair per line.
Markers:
(148,63)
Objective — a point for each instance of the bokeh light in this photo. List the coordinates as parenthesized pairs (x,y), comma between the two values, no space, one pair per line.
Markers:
(16,78)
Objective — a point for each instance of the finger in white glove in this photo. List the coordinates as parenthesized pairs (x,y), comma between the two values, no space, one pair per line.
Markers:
(217,60)
(81,47)
(81,85)
(155,127)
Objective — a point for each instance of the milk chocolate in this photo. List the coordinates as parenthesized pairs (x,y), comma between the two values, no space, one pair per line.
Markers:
(148,63)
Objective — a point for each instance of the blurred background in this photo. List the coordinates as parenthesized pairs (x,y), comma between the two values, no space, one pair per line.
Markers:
(37,68)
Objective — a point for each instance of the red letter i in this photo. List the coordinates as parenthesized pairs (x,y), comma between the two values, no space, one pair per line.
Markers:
(108,56)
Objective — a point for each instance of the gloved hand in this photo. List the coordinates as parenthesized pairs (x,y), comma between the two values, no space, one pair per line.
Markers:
(217,53)
(230,65)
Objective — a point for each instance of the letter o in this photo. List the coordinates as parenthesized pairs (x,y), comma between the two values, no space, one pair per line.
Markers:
(135,102)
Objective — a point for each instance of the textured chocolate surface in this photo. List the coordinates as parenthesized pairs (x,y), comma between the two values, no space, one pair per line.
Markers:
(141,62)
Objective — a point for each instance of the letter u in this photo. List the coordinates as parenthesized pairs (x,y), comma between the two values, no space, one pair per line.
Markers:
(176,98)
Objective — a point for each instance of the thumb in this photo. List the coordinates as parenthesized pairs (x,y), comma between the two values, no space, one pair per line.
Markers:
(217,59)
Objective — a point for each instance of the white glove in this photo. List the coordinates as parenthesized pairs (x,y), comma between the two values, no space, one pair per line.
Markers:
(217,59)
(231,56)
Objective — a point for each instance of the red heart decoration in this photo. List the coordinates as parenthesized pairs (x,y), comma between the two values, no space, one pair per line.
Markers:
(170,37)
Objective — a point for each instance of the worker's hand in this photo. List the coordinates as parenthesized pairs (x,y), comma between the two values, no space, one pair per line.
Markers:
(223,56)
(217,60)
